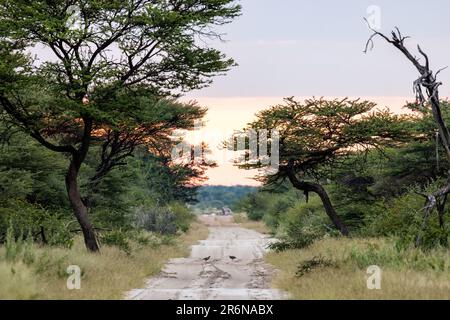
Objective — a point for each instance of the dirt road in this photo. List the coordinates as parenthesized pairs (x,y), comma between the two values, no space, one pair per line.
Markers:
(246,277)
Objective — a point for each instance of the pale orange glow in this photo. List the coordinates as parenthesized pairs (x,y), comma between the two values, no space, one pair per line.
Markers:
(233,113)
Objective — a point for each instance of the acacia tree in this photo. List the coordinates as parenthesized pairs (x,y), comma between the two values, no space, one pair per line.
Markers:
(317,135)
(426,88)
(106,76)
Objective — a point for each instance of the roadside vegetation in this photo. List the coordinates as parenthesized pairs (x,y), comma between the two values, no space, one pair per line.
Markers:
(378,196)
(90,173)
(377,189)
(358,189)
(315,262)
(245,222)
(339,270)
(93,111)
(87,138)
(30,271)
(140,213)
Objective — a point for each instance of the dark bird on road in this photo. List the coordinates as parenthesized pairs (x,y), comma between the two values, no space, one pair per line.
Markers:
(232,257)
(206,259)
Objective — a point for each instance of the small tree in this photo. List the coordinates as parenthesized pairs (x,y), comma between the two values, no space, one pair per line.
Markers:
(318,134)
(108,75)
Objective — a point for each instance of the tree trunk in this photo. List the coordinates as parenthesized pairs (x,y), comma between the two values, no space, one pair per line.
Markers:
(322,193)
(43,238)
(79,209)
(441,216)
(329,209)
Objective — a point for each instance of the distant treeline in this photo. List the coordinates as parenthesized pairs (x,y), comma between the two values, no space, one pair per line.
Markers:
(221,196)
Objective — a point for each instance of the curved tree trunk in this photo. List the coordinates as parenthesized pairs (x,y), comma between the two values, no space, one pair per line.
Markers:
(322,193)
(79,209)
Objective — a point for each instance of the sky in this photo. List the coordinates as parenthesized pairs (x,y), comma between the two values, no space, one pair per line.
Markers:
(302,48)
(294,47)
(315,48)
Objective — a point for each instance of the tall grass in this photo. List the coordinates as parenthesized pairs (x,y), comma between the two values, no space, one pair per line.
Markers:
(406,273)
(17,281)
(104,276)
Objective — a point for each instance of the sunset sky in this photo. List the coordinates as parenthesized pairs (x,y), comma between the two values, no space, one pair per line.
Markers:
(226,114)
(315,48)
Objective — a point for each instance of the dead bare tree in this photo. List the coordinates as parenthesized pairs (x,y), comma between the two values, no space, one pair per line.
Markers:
(428,83)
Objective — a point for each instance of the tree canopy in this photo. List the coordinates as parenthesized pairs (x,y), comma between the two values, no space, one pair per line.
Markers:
(316,135)
(115,69)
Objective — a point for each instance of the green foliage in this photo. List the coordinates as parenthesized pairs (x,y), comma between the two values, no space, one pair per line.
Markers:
(302,240)
(20,247)
(133,111)
(296,223)
(389,254)
(132,28)
(29,256)
(54,266)
(183,216)
(403,219)
(279,210)
(319,132)
(217,197)
(371,191)
(118,239)
(353,198)
(83,100)
(255,205)
(11,246)
(33,194)
(301,225)
(46,226)
(41,208)
(112,218)
(155,179)
(14,183)
(144,238)
(317,135)
(157,219)
(267,204)
(27,171)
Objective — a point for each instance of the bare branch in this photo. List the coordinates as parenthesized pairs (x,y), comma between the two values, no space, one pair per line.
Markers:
(428,82)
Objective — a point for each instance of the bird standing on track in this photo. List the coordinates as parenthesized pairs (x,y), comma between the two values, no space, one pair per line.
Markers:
(232,258)
(206,259)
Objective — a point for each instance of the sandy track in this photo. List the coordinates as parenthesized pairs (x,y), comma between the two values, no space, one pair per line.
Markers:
(245,278)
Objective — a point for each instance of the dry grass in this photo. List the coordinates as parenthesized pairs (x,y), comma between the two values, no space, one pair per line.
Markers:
(104,276)
(411,274)
(17,282)
(244,222)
